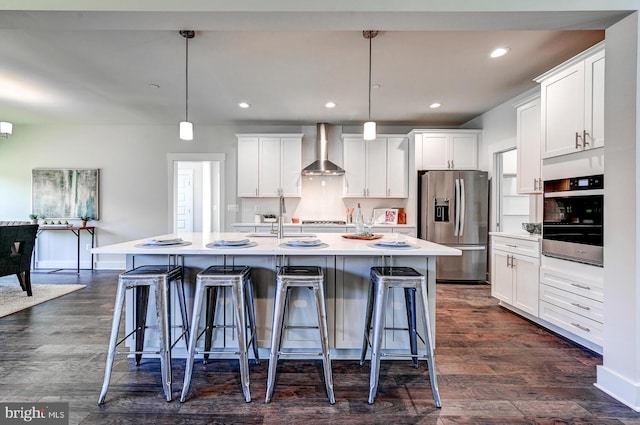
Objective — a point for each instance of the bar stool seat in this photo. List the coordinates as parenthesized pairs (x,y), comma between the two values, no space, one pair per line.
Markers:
(382,280)
(209,281)
(141,279)
(288,277)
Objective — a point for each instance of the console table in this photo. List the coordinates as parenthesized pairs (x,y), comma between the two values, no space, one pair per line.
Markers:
(76,231)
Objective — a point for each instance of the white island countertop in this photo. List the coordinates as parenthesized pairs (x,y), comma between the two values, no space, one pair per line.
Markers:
(198,243)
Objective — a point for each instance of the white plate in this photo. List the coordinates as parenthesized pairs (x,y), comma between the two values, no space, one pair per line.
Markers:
(231,242)
(394,244)
(172,241)
(304,242)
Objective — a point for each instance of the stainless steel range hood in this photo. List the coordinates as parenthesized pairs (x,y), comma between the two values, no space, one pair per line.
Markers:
(322,166)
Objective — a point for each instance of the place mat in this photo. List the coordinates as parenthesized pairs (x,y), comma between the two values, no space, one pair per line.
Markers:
(166,245)
(363,237)
(232,246)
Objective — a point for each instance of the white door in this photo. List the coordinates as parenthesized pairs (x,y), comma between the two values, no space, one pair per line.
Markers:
(184,201)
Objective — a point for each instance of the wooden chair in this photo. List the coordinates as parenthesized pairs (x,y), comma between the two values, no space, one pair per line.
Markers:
(16,247)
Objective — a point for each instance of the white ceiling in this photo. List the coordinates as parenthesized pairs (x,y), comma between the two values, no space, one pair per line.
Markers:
(99,67)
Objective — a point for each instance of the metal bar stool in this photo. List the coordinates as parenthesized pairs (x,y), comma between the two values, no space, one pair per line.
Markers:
(141,279)
(383,279)
(209,281)
(288,277)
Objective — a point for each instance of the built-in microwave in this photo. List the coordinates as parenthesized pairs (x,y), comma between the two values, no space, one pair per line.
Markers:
(572,225)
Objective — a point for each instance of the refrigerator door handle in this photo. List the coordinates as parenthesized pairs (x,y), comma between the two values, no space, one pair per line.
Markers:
(456,220)
(462,208)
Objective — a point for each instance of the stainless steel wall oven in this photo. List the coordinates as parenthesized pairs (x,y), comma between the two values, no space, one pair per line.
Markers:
(572,219)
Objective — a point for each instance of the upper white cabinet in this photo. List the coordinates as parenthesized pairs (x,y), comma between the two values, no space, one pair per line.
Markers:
(572,104)
(446,150)
(528,143)
(376,169)
(269,165)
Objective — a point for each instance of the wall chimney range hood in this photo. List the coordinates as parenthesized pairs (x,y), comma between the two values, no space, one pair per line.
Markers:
(322,166)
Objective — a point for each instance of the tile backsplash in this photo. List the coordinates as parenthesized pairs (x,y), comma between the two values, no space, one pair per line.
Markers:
(321,200)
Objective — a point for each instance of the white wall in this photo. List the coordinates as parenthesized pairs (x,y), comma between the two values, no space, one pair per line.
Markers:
(134,181)
(620,373)
(498,135)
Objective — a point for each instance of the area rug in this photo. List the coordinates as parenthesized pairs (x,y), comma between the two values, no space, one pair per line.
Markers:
(13,298)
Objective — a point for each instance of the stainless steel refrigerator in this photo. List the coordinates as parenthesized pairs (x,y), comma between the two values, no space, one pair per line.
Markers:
(454,212)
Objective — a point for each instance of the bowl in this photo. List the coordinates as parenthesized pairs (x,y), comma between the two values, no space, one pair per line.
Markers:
(532,228)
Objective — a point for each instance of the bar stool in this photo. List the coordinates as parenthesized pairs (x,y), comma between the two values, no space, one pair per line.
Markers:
(383,279)
(289,277)
(142,279)
(238,278)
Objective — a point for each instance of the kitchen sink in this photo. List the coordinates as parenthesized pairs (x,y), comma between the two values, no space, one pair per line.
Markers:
(286,235)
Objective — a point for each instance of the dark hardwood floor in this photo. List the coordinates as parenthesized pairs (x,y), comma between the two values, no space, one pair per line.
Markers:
(493,368)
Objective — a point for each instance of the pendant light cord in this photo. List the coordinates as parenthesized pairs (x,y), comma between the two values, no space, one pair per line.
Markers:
(186,78)
(370,37)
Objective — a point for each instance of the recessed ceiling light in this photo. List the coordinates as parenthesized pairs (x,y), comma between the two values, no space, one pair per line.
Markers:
(376,86)
(244,105)
(500,51)
(154,86)
(330,105)
(435,105)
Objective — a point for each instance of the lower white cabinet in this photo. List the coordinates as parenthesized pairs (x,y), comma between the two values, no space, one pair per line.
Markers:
(515,266)
(573,300)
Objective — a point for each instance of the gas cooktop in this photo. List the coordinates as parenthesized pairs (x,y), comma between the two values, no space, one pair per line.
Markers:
(340,222)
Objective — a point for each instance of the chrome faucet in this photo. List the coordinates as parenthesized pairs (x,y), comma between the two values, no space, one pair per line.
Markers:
(282,211)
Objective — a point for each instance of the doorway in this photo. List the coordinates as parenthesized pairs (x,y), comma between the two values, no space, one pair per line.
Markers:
(512,208)
(195,192)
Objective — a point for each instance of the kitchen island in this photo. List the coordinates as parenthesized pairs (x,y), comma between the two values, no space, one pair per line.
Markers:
(346,263)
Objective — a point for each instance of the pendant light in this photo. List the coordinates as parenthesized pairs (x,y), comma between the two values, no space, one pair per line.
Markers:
(186,127)
(6,129)
(369,126)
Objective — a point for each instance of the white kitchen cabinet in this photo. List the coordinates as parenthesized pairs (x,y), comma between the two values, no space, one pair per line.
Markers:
(446,150)
(572,299)
(528,143)
(515,267)
(377,168)
(572,104)
(269,165)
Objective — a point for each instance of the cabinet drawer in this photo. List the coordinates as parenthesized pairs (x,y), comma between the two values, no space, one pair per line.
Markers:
(574,323)
(517,246)
(583,306)
(573,283)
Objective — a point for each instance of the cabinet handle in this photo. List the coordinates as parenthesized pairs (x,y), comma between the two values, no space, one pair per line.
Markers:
(578,145)
(579,326)
(584,307)
(511,246)
(585,136)
(388,192)
(256,191)
(577,285)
